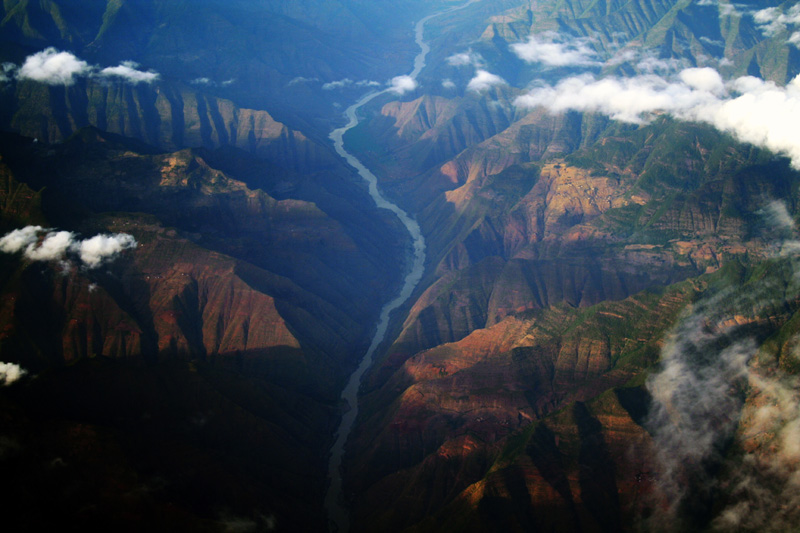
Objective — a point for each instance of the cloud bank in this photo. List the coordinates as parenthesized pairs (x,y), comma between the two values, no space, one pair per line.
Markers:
(751,109)
(574,53)
(59,245)
(55,67)
(10,372)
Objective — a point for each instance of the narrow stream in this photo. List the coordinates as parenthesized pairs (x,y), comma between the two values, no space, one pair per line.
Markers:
(338,514)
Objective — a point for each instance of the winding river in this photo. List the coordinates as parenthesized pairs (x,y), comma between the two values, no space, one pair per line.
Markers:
(338,514)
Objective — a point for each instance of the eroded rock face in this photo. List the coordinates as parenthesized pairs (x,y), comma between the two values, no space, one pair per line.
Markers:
(167,117)
(238,314)
(559,249)
(455,407)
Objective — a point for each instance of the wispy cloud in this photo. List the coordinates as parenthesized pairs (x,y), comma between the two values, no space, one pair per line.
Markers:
(765,485)
(402,84)
(211,83)
(129,71)
(8,71)
(484,80)
(697,397)
(549,50)
(10,372)
(712,42)
(40,244)
(753,110)
(301,79)
(699,404)
(347,82)
(773,21)
(338,84)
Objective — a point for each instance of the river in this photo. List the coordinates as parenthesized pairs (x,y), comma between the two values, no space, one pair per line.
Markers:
(338,514)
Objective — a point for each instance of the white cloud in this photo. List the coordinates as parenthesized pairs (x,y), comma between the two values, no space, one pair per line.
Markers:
(211,83)
(753,110)
(448,84)
(483,80)
(712,42)
(128,71)
(651,65)
(623,56)
(95,250)
(402,84)
(464,59)
(61,68)
(340,84)
(554,53)
(459,60)
(772,21)
(53,67)
(337,84)
(53,248)
(703,79)
(19,239)
(57,245)
(646,61)
(10,372)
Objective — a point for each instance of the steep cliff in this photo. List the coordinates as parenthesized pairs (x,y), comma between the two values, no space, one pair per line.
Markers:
(226,333)
(565,249)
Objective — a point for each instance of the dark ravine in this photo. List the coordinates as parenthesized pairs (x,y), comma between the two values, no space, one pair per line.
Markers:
(338,514)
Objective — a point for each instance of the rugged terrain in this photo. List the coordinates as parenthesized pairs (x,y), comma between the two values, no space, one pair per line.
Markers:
(605,337)
(564,249)
(236,314)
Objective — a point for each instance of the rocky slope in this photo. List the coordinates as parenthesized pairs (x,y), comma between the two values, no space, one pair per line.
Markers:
(166,116)
(563,248)
(605,338)
(239,51)
(239,312)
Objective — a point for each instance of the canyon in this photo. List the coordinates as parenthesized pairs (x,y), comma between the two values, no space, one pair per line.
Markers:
(578,283)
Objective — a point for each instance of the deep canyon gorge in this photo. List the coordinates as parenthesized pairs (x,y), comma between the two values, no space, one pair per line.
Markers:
(552,267)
